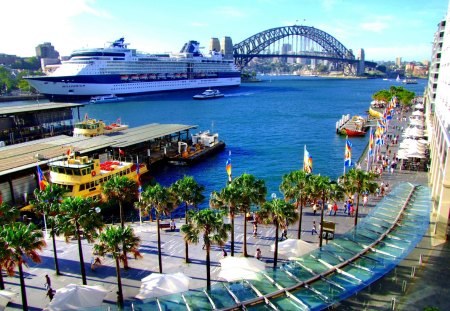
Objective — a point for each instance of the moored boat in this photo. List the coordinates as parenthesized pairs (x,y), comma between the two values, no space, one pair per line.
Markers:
(350,132)
(84,177)
(209,94)
(105,99)
(92,127)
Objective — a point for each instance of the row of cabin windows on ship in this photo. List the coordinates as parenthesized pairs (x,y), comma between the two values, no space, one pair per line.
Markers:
(100,181)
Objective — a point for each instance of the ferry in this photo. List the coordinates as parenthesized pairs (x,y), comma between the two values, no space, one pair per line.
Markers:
(105,99)
(92,127)
(124,72)
(84,177)
(209,94)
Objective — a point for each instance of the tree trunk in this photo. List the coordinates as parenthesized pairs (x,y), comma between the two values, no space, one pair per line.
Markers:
(321,222)
(300,216)
(186,245)
(357,208)
(119,285)
(122,221)
(80,253)
(275,255)
(245,235)
(232,233)
(208,267)
(55,255)
(22,288)
(159,244)
(2,283)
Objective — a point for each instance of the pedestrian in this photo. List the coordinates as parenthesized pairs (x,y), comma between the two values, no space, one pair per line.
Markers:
(314,207)
(48,282)
(224,253)
(335,208)
(330,208)
(258,254)
(314,228)
(50,293)
(172,224)
(255,229)
(284,233)
(365,200)
(352,210)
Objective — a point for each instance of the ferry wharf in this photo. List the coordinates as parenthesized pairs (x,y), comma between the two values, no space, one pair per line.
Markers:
(150,144)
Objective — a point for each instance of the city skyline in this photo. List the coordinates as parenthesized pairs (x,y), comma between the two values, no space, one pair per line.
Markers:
(384,29)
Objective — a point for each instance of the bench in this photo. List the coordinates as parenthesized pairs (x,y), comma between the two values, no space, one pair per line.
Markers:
(164,225)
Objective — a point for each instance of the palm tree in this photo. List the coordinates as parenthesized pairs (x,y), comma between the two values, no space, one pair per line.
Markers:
(294,186)
(122,189)
(110,242)
(321,186)
(279,213)
(8,214)
(359,181)
(47,204)
(208,225)
(162,200)
(228,201)
(20,242)
(79,218)
(190,193)
(252,192)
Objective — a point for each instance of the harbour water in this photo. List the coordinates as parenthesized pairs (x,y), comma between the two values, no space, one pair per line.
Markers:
(264,125)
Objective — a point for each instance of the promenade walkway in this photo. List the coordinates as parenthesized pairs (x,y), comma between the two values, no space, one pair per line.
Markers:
(173,257)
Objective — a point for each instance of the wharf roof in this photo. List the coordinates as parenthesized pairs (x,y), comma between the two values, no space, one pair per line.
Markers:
(14,158)
(36,107)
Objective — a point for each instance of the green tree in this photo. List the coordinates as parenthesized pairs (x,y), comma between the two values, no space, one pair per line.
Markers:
(358,181)
(189,192)
(208,225)
(47,203)
(122,189)
(294,187)
(161,200)
(8,214)
(252,192)
(227,200)
(110,242)
(322,189)
(279,213)
(20,242)
(79,218)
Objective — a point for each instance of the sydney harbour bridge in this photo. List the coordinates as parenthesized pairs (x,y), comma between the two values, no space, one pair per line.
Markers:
(301,42)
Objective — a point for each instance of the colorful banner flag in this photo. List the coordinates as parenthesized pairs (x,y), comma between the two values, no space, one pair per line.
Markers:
(41,179)
(371,143)
(228,168)
(348,153)
(379,137)
(121,152)
(307,162)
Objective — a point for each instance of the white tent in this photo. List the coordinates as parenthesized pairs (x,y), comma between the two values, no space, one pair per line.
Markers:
(5,298)
(73,296)
(293,247)
(160,284)
(238,268)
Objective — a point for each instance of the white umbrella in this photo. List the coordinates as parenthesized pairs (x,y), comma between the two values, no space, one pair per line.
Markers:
(238,268)
(417,113)
(293,248)
(402,155)
(416,155)
(73,296)
(157,284)
(5,297)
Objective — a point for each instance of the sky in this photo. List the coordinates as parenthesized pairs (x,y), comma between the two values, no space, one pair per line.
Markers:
(385,29)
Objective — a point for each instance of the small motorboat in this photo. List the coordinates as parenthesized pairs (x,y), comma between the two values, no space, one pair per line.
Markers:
(209,94)
(105,99)
(350,132)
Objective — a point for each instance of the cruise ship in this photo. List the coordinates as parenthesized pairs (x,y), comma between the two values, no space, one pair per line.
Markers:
(122,71)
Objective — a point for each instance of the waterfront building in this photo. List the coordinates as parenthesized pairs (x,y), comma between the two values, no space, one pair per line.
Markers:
(227,47)
(214,45)
(47,54)
(398,62)
(437,101)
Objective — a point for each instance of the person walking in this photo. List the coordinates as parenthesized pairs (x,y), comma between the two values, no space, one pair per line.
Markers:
(48,282)
(258,254)
(50,293)
(255,229)
(335,208)
(314,228)
(224,253)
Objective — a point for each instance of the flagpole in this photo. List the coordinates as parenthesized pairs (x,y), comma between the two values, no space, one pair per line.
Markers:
(346,138)
(139,193)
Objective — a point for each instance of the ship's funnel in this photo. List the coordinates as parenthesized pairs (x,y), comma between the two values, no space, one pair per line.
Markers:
(192,47)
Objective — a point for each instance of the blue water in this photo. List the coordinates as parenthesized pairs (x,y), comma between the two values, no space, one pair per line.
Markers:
(264,125)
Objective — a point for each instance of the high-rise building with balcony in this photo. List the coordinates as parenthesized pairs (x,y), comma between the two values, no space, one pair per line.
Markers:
(214,45)
(437,100)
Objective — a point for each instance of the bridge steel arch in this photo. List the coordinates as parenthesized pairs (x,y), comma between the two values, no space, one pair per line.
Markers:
(244,51)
